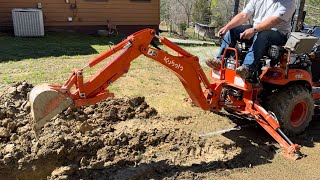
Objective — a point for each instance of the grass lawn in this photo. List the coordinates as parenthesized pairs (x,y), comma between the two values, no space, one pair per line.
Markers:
(52,58)
(52,45)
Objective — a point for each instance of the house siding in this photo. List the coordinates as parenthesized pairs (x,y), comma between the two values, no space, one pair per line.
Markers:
(88,14)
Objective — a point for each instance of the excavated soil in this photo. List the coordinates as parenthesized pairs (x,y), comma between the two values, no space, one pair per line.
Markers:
(120,138)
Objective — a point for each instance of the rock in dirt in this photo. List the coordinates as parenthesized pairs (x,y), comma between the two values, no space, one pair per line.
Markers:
(9,148)
(12,90)
(20,88)
(14,137)
(4,133)
(88,110)
(84,127)
(84,161)
(2,114)
(11,126)
(135,102)
(65,170)
(7,158)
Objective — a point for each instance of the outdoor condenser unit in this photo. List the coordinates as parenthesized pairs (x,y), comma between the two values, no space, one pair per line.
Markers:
(28,22)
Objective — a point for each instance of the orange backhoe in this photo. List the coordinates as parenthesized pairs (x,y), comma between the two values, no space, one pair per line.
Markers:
(285,87)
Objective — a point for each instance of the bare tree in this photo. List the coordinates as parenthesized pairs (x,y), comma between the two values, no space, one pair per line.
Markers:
(187,6)
(201,11)
(223,11)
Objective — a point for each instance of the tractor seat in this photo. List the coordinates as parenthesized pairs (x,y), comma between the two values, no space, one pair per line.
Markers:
(275,52)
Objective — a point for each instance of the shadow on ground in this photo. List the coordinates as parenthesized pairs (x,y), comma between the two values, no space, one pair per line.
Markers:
(53,44)
(257,148)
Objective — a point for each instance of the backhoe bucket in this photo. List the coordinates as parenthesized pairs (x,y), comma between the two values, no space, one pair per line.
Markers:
(45,104)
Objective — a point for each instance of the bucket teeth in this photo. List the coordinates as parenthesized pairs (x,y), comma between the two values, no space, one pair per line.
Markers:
(45,104)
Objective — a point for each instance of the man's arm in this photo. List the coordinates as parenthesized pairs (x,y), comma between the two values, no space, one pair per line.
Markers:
(268,24)
(238,20)
(265,25)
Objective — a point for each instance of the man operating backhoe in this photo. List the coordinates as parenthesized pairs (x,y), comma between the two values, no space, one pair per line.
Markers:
(272,23)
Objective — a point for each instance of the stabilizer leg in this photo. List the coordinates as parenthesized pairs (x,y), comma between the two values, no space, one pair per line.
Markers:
(269,123)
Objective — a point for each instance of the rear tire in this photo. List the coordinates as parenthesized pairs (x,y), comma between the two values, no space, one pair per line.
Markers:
(294,108)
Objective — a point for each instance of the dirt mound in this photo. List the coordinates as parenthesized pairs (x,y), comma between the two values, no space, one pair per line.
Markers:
(111,111)
(86,143)
(85,130)
(13,102)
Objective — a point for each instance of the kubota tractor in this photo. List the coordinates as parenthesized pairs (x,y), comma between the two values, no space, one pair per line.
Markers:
(280,96)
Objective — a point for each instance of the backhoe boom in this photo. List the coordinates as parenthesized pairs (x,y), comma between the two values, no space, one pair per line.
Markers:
(185,66)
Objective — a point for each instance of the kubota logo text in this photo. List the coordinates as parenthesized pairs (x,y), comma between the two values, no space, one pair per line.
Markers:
(172,63)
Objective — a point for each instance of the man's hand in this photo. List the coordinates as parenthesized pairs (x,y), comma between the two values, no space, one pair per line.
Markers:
(247,34)
(223,31)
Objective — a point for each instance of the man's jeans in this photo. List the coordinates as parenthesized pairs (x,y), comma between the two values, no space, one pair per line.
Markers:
(261,42)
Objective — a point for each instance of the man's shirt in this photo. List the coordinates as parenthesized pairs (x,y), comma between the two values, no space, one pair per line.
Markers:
(264,9)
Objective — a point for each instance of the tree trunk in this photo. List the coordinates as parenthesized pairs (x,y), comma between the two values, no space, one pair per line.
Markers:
(236,7)
(298,17)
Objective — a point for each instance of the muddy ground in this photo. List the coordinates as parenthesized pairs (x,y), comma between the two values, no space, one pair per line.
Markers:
(125,138)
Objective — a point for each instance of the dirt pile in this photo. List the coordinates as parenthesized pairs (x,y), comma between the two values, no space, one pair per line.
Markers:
(87,143)
(76,133)
(111,111)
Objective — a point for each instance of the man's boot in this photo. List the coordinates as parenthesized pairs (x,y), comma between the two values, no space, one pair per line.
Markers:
(213,63)
(243,71)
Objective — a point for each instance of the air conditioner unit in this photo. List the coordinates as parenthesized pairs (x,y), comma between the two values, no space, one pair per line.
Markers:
(28,22)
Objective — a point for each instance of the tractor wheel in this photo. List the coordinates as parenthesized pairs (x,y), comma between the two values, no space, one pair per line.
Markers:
(294,108)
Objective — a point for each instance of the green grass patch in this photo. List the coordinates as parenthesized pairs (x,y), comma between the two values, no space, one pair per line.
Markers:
(53,45)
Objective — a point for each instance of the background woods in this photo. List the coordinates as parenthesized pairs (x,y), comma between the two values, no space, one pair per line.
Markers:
(184,13)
